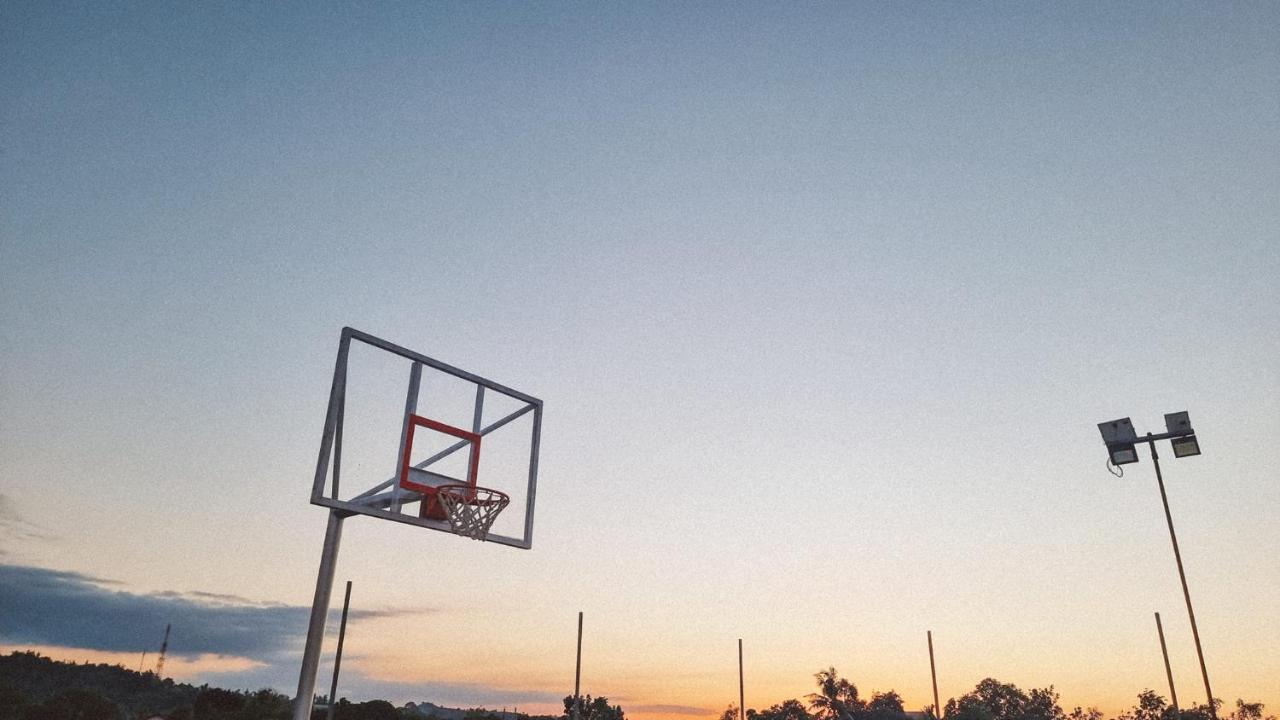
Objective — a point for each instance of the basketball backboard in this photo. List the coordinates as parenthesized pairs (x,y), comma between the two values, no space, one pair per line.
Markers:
(400,424)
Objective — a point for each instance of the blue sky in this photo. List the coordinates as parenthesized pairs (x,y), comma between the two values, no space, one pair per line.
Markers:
(854,282)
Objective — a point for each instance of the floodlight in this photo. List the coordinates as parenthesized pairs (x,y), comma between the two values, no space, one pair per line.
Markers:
(1117,431)
(1123,454)
(1185,446)
(1119,436)
(1121,441)
(1178,423)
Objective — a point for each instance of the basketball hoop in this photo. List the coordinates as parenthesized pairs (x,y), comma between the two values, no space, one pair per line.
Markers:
(471,510)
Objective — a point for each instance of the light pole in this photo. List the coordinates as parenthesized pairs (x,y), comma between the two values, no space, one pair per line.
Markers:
(1121,441)
(742,702)
(337,658)
(1168,671)
(933,671)
(577,674)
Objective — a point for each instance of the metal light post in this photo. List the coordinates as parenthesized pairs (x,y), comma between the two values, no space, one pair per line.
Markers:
(742,702)
(933,672)
(337,658)
(1121,441)
(1168,671)
(577,674)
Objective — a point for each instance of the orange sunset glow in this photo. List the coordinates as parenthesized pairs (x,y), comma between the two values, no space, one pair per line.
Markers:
(829,328)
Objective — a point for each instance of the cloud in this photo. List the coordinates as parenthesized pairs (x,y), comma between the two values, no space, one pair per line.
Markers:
(671,709)
(68,609)
(450,694)
(14,528)
(181,668)
(245,643)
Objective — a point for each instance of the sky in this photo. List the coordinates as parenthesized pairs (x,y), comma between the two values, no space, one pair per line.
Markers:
(824,301)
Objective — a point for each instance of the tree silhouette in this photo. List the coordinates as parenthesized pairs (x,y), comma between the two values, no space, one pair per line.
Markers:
(1079,713)
(593,709)
(1152,706)
(837,698)
(994,700)
(75,704)
(1249,711)
(13,703)
(786,710)
(885,705)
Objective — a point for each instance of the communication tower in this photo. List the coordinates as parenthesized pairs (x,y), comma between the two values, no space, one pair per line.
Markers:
(164,647)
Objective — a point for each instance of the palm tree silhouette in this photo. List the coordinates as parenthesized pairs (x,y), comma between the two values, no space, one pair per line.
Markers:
(837,698)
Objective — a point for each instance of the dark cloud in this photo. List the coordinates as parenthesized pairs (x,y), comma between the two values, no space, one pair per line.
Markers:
(51,607)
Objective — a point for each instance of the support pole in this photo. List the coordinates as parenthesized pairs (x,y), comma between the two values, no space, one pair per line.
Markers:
(337,659)
(742,703)
(410,408)
(1186,594)
(319,609)
(577,674)
(1168,671)
(933,670)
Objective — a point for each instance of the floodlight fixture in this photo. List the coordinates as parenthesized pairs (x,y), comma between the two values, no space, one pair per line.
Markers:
(1185,446)
(1123,454)
(1181,435)
(1120,437)
(1178,423)
(1121,441)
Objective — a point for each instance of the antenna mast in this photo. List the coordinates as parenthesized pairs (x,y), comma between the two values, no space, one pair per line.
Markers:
(164,647)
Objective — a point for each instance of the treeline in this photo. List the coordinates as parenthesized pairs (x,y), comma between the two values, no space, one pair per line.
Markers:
(839,699)
(34,687)
(590,708)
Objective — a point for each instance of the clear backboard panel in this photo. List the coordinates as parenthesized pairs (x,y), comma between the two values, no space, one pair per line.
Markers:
(400,424)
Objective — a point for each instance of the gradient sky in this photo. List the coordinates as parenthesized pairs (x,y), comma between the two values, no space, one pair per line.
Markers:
(824,301)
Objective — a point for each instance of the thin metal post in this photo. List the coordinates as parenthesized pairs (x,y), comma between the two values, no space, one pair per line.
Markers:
(933,670)
(410,408)
(1168,671)
(577,674)
(534,440)
(337,659)
(319,609)
(330,439)
(742,703)
(1186,594)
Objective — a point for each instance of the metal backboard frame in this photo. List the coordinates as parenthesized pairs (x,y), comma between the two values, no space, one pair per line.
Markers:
(383,500)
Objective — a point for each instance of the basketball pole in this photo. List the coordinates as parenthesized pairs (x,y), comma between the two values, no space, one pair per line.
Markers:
(577,674)
(742,703)
(933,670)
(337,658)
(1168,671)
(319,610)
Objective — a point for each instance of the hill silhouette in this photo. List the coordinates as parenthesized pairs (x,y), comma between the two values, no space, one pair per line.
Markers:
(37,680)
(34,687)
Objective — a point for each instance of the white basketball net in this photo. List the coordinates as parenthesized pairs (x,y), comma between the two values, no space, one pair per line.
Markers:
(471,511)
